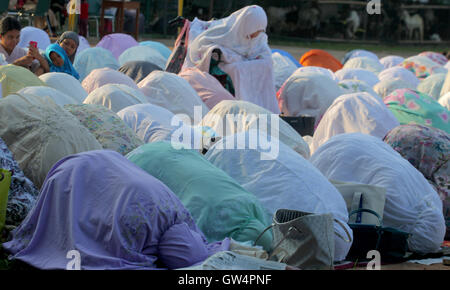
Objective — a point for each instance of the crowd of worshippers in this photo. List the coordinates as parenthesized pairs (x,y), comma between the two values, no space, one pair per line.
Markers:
(88,136)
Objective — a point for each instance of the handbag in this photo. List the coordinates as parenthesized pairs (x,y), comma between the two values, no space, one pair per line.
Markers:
(390,242)
(176,59)
(303,240)
(366,196)
(5,181)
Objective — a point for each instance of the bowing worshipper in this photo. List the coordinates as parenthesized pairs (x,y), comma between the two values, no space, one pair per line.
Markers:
(283,68)
(235,50)
(432,85)
(414,107)
(412,204)
(174,93)
(103,76)
(320,58)
(428,150)
(359,74)
(138,70)
(308,94)
(38,132)
(350,113)
(143,53)
(93,58)
(391,61)
(115,97)
(398,72)
(220,206)
(117,43)
(66,84)
(109,130)
(22,192)
(14,78)
(114,214)
(367,63)
(286,181)
(221,119)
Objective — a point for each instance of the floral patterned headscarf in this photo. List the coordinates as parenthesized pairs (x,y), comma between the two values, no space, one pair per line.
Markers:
(109,130)
(22,192)
(422,66)
(428,150)
(413,107)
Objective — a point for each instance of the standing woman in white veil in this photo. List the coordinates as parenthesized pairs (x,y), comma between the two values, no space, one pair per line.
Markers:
(235,50)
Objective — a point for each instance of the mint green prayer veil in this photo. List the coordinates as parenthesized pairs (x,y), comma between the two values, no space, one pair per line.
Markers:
(220,206)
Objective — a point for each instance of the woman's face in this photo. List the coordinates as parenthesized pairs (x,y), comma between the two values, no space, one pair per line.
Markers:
(10,39)
(56,59)
(69,46)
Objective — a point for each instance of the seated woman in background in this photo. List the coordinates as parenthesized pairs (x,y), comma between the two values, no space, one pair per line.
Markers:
(58,60)
(9,38)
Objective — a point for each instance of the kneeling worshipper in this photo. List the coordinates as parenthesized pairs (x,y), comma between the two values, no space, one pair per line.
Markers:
(13,78)
(220,206)
(93,58)
(174,93)
(414,107)
(285,181)
(138,70)
(58,97)
(428,150)
(320,58)
(244,64)
(308,95)
(103,76)
(109,130)
(142,53)
(114,214)
(117,43)
(153,123)
(65,83)
(221,119)
(22,193)
(39,133)
(115,97)
(359,112)
(412,204)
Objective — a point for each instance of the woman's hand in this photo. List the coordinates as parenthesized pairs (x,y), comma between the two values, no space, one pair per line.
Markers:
(34,52)
(24,61)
